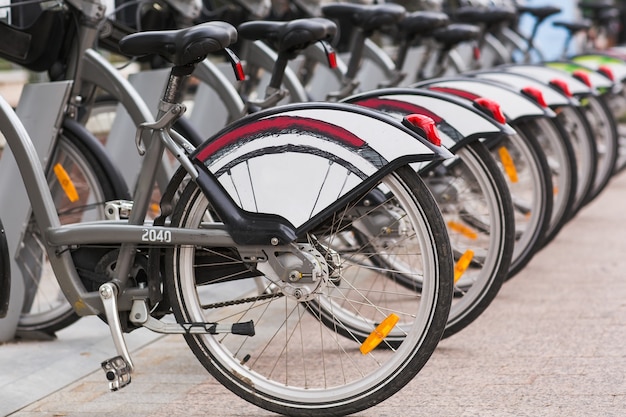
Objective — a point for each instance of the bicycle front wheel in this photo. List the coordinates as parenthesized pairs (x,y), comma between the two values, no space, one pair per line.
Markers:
(308,356)
(79,186)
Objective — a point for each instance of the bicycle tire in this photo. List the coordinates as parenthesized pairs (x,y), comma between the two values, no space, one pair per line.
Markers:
(558,148)
(484,206)
(407,353)
(49,311)
(604,129)
(476,205)
(530,184)
(579,131)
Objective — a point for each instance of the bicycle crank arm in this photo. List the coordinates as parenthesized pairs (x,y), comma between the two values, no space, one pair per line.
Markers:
(139,315)
(119,368)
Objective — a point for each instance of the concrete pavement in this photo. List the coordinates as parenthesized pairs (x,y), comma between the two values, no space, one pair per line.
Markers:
(551,344)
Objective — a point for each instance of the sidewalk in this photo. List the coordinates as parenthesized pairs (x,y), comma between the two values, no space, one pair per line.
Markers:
(551,344)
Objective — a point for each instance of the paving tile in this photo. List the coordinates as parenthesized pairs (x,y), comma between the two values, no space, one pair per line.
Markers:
(550,345)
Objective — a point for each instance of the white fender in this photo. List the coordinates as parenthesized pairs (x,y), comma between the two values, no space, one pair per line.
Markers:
(275,161)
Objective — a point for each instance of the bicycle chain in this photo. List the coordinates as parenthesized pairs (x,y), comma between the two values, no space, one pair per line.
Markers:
(241,301)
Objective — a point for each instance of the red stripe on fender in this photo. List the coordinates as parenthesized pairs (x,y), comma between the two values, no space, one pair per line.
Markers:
(397,106)
(281,125)
(456,92)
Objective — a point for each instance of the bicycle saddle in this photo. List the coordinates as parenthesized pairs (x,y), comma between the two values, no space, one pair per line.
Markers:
(539,12)
(181,47)
(456,33)
(289,36)
(596,5)
(367,17)
(423,22)
(488,16)
(573,27)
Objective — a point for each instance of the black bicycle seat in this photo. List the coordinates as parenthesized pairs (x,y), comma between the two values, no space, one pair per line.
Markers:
(487,15)
(539,12)
(573,27)
(605,16)
(423,22)
(596,5)
(367,17)
(289,36)
(456,33)
(183,46)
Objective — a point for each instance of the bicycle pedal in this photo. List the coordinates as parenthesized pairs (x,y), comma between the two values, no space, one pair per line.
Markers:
(117,372)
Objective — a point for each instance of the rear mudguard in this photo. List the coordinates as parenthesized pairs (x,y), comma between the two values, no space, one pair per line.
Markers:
(458,122)
(599,60)
(547,74)
(553,97)
(599,81)
(286,152)
(515,105)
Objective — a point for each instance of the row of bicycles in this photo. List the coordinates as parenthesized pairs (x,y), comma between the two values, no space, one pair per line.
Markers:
(373,176)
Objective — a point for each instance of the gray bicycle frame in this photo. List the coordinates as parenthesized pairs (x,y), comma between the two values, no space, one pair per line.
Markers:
(58,238)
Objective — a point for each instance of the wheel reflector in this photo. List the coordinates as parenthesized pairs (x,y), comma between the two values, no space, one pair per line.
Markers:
(462,264)
(380,332)
(462,229)
(508,164)
(66,183)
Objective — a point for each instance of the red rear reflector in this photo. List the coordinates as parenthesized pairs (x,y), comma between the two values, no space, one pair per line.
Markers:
(239,73)
(332,60)
(562,85)
(607,72)
(426,124)
(236,64)
(582,76)
(492,107)
(331,55)
(536,95)
(476,53)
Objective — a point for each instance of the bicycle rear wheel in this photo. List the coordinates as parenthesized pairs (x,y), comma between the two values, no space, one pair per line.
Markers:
(477,208)
(80,185)
(529,181)
(305,357)
(604,130)
(559,152)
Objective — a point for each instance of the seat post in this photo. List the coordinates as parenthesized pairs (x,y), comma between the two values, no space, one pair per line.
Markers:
(175,83)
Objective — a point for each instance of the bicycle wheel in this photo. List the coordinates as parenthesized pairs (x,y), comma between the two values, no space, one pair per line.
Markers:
(559,151)
(579,131)
(80,186)
(476,205)
(529,181)
(604,130)
(299,362)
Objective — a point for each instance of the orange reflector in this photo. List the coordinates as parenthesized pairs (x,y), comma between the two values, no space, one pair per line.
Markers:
(66,183)
(462,229)
(380,332)
(508,164)
(155,208)
(462,264)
